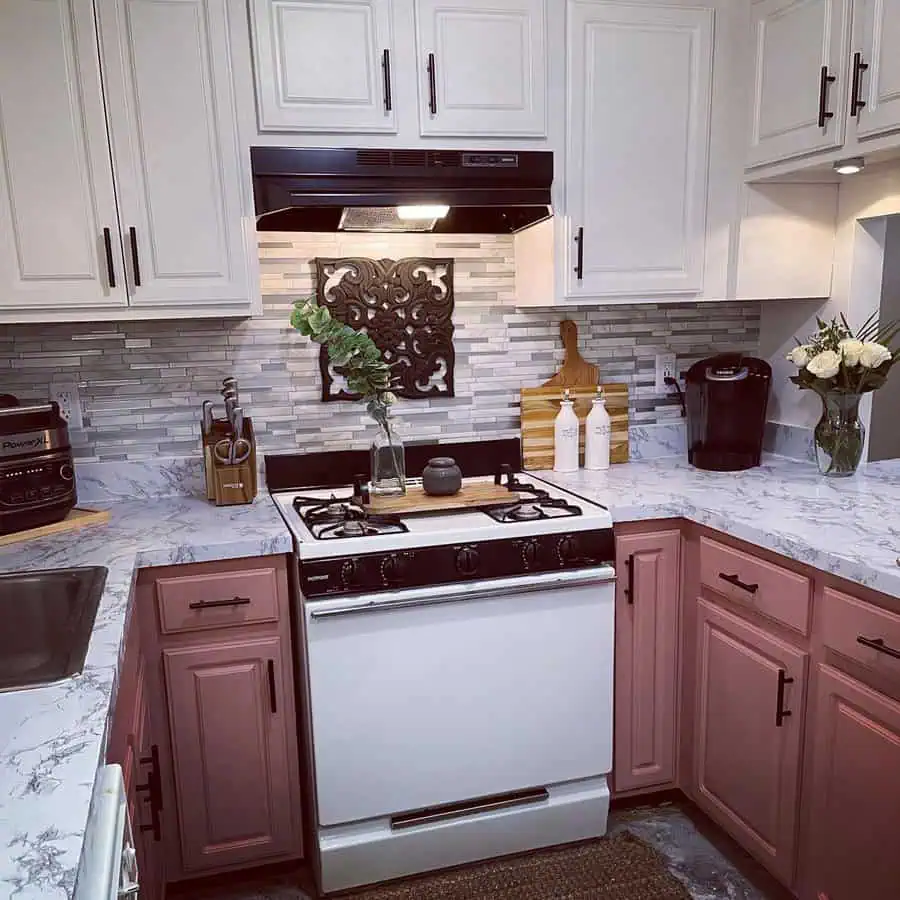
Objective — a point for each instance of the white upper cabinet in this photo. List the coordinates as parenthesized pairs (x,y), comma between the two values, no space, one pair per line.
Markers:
(56,189)
(875,68)
(800,91)
(639,91)
(175,151)
(483,68)
(324,65)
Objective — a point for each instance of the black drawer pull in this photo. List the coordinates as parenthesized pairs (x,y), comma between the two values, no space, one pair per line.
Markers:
(824,80)
(212,604)
(780,712)
(135,264)
(386,70)
(579,253)
(432,85)
(879,645)
(629,591)
(733,579)
(110,268)
(856,101)
(273,696)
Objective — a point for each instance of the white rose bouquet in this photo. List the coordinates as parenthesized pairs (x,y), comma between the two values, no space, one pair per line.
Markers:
(840,366)
(837,360)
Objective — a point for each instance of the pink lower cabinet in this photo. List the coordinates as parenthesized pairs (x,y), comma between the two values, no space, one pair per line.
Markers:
(647,614)
(228,716)
(853,851)
(750,704)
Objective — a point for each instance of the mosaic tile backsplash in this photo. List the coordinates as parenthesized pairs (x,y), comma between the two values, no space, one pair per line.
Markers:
(141,384)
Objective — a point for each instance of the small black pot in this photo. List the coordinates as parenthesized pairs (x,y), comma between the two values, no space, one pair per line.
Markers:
(442,477)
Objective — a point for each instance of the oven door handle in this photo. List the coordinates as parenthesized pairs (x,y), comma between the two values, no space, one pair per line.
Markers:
(455,593)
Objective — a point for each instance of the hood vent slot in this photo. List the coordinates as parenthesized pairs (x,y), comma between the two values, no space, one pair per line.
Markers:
(419,158)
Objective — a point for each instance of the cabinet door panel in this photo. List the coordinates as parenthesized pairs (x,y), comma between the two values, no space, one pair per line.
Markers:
(880,84)
(747,767)
(56,185)
(174,141)
(639,89)
(231,752)
(793,40)
(646,659)
(855,792)
(319,65)
(490,67)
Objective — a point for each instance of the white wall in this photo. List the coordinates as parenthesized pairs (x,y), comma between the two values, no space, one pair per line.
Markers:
(856,288)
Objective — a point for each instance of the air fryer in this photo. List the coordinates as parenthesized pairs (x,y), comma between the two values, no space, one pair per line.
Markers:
(726,398)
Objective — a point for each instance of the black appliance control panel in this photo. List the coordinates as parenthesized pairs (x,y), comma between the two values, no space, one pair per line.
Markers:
(35,491)
(449,563)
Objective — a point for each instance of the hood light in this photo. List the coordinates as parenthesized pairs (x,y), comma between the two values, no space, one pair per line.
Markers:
(850,166)
(433,211)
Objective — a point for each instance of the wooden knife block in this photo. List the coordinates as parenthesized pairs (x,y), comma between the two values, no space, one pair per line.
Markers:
(230,485)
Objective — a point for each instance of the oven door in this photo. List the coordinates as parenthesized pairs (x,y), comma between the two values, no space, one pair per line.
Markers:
(443,694)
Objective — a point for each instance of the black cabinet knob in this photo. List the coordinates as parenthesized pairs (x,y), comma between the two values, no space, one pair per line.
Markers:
(467,561)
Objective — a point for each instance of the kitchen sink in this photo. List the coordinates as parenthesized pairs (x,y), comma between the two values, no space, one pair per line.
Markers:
(46,618)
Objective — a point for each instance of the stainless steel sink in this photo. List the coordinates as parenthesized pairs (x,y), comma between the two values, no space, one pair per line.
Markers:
(46,620)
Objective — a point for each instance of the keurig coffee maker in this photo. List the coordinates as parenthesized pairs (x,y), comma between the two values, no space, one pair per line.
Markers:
(726,398)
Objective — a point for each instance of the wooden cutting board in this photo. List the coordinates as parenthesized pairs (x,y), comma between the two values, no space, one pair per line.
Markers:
(575,371)
(415,500)
(539,409)
(77,518)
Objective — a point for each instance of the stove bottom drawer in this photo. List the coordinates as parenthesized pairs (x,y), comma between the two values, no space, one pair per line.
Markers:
(370,852)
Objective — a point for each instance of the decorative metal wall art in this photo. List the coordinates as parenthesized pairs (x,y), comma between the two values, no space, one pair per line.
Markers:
(406,307)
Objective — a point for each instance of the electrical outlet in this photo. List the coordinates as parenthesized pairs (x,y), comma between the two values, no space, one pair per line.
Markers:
(65,393)
(665,368)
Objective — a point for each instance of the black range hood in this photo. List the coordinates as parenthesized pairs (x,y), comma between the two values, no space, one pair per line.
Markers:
(487,192)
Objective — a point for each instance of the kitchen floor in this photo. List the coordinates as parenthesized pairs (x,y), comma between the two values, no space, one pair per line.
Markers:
(692,852)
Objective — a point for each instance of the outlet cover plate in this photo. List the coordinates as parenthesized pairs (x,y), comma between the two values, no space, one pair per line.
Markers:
(665,368)
(65,393)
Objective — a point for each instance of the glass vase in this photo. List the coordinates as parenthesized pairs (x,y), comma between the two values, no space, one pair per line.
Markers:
(839,436)
(388,461)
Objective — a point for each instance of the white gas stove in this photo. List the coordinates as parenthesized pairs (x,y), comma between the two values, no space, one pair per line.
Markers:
(459,677)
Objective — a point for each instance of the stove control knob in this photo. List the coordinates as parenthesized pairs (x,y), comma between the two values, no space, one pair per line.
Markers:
(350,572)
(567,549)
(394,568)
(531,550)
(66,472)
(467,561)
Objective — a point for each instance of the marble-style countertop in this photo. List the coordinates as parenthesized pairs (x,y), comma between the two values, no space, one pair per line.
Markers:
(52,739)
(847,526)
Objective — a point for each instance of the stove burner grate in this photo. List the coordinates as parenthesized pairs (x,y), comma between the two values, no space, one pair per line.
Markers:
(340,517)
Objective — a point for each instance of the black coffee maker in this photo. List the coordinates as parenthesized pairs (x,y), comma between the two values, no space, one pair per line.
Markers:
(726,398)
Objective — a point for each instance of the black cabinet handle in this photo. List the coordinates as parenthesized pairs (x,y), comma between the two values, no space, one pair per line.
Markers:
(629,590)
(780,712)
(432,85)
(579,253)
(211,604)
(824,80)
(856,101)
(110,269)
(153,789)
(743,585)
(386,71)
(879,645)
(273,696)
(135,265)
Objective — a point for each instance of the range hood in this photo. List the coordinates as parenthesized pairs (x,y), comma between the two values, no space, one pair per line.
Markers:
(444,191)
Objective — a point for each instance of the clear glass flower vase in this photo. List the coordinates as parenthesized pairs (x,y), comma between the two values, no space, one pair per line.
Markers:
(388,461)
(839,436)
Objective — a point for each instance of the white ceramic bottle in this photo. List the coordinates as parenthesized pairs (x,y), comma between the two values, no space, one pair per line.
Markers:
(597,431)
(565,437)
